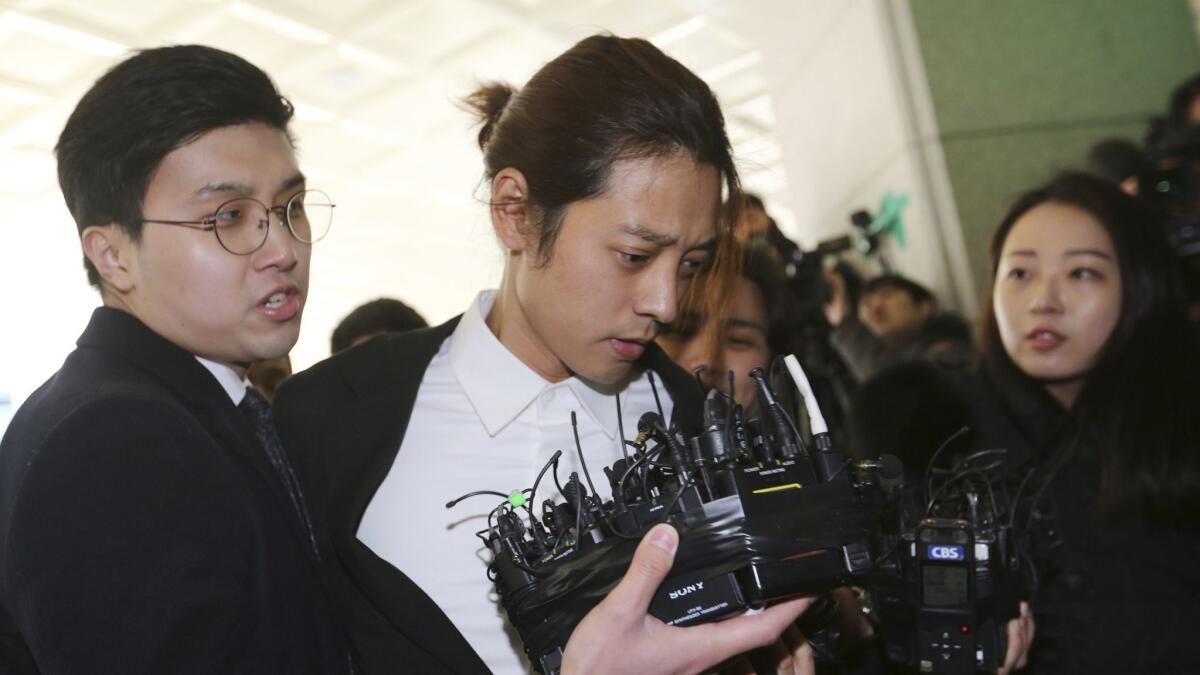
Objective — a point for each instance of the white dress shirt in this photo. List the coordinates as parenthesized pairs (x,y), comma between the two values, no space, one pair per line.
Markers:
(227,377)
(483,420)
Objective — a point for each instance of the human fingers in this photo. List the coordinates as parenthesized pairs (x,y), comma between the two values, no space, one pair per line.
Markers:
(715,642)
(649,567)
(1016,646)
(800,652)
(1029,629)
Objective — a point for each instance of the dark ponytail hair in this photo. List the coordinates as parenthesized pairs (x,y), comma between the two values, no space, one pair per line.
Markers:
(488,103)
(604,100)
(1140,405)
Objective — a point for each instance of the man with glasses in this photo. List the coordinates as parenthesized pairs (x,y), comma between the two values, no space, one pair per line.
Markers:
(149,519)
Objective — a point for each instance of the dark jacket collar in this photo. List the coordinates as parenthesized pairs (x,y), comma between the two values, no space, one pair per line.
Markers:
(124,335)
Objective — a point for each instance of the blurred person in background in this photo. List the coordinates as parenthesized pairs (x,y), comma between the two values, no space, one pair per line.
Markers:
(896,321)
(748,330)
(382,316)
(266,376)
(1118,160)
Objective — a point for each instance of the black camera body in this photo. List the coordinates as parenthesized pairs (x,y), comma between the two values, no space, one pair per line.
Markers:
(761,516)
(1170,181)
(944,595)
(947,610)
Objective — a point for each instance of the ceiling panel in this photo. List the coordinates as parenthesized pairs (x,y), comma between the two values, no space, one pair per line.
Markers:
(120,17)
(45,62)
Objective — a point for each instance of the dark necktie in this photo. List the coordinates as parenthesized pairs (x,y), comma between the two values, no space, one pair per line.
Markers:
(256,408)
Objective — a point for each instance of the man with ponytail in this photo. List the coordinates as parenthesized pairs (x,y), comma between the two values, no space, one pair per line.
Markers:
(606,175)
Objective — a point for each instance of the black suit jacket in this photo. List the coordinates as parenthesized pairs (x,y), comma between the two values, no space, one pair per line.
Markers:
(143,530)
(343,421)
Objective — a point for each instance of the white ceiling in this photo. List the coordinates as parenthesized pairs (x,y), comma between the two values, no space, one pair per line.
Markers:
(375,83)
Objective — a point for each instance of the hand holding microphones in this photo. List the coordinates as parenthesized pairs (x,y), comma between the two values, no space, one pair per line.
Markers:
(619,635)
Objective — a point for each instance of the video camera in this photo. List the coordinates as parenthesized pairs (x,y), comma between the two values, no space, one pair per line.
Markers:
(763,515)
(944,596)
(1170,180)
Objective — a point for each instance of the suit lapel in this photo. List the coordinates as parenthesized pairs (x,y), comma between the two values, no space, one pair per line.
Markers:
(378,417)
(687,399)
(178,371)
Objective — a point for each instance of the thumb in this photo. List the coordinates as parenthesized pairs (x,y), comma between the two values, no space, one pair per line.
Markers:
(651,562)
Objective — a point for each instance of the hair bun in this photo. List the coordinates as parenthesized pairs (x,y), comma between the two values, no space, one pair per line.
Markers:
(488,103)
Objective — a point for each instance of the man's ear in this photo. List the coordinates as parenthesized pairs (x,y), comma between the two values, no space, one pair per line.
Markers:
(113,253)
(512,215)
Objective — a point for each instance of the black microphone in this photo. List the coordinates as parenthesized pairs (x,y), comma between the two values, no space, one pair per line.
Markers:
(646,426)
(782,430)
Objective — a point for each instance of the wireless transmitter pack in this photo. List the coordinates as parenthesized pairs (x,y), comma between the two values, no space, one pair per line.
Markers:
(762,515)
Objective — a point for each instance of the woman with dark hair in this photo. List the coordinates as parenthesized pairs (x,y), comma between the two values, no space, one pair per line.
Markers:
(1089,386)
(1092,375)
(606,173)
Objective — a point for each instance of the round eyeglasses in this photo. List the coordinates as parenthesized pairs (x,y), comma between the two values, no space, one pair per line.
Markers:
(241,224)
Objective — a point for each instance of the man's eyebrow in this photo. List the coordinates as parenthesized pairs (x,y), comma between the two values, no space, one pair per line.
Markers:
(295,181)
(224,187)
(739,322)
(232,187)
(643,232)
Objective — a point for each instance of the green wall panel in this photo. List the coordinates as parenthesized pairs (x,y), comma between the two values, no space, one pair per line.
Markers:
(1021,88)
(989,172)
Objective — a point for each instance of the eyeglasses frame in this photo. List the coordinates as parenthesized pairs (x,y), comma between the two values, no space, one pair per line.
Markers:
(280,211)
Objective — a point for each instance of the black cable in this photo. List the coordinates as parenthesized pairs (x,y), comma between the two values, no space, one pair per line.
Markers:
(957,477)
(621,428)
(700,382)
(1016,500)
(454,502)
(654,389)
(645,457)
(772,370)
(579,449)
(929,466)
(1038,496)
(533,491)
(557,483)
(492,514)
(674,500)
(658,450)
(730,440)
(981,453)
(578,511)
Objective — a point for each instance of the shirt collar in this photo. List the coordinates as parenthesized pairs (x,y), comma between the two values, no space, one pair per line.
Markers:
(228,379)
(500,387)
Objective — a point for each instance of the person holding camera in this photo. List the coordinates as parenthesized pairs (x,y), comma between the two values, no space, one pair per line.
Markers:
(1087,386)
(1094,366)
